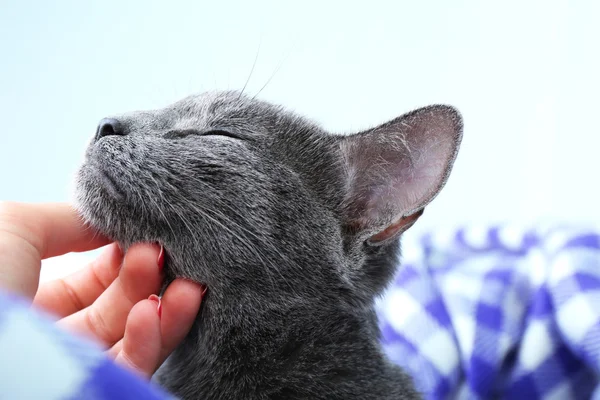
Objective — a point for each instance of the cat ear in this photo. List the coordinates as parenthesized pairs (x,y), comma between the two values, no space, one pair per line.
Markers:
(395,170)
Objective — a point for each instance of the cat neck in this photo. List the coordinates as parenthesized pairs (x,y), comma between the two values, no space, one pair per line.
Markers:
(282,347)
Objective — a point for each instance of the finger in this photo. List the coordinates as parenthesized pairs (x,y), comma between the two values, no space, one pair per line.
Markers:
(77,291)
(52,228)
(115,349)
(178,318)
(141,345)
(105,320)
(32,232)
(180,305)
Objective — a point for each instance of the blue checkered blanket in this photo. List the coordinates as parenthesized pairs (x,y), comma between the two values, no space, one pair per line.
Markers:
(474,314)
(499,313)
(40,362)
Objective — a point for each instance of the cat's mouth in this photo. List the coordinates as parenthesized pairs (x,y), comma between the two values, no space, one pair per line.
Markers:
(101,172)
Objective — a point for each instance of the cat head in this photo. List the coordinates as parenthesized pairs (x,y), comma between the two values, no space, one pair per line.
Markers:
(244,194)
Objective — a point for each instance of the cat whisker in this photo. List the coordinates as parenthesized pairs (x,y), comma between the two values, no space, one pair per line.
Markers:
(269,265)
(224,222)
(251,71)
(180,216)
(272,75)
(158,207)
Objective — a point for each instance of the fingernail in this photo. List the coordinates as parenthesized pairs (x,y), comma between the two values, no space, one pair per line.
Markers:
(120,248)
(155,298)
(204,289)
(161,258)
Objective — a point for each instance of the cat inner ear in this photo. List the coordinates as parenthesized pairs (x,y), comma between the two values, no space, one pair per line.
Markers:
(394,170)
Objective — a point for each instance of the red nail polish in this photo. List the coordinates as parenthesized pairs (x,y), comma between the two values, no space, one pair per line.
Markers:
(120,250)
(155,298)
(161,258)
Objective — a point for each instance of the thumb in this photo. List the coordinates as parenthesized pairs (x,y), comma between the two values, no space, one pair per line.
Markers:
(31,232)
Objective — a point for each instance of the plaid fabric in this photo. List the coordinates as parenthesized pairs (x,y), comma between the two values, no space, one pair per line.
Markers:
(499,313)
(39,361)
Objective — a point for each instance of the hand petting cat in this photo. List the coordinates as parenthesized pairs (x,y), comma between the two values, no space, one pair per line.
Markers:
(114,299)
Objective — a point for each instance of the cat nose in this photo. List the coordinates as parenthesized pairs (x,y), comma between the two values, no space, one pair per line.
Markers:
(108,127)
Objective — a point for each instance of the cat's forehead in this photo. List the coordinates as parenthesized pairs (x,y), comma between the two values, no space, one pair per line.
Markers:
(221,110)
(222,106)
(205,104)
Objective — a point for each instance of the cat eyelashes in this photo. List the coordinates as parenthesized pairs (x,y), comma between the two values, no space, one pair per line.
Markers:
(221,132)
(182,133)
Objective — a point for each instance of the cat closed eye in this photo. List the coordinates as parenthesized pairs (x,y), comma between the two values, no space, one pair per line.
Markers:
(182,133)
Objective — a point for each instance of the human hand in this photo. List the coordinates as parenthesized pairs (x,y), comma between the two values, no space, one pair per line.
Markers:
(113,299)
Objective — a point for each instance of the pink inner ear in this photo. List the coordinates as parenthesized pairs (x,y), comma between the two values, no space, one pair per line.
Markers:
(396,228)
(397,168)
(403,176)
(419,176)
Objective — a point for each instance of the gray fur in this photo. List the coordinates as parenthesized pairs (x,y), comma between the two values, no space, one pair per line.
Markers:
(276,223)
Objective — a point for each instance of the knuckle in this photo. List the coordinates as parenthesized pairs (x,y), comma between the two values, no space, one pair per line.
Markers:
(16,222)
(71,294)
(98,326)
(97,276)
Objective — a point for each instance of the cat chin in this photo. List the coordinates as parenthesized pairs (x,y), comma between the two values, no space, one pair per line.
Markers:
(96,214)
(103,220)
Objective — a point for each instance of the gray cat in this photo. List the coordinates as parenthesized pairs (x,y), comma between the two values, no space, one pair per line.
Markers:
(294,231)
